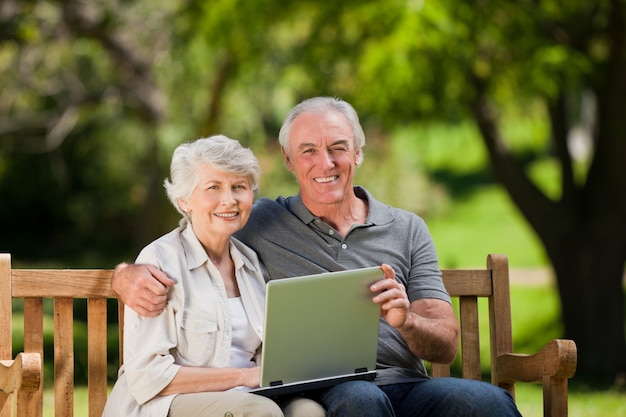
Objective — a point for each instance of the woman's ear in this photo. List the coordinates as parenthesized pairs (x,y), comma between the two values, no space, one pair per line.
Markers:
(183,205)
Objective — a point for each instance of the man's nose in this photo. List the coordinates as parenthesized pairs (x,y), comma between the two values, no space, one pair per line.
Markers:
(327,159)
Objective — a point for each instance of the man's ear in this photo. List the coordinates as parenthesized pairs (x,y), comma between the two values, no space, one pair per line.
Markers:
(358,158)
(287,157)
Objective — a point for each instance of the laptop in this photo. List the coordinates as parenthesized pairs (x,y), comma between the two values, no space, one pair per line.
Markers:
(320,330)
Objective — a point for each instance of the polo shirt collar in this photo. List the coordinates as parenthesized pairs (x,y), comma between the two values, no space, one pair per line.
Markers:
(378,213)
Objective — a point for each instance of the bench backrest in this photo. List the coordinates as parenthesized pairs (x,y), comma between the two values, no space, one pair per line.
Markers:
(466,287)
(64,286)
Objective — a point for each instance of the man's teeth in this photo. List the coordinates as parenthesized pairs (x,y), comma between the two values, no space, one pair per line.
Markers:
(326,179)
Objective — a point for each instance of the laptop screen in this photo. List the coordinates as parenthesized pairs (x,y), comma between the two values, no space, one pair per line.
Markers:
(320,326)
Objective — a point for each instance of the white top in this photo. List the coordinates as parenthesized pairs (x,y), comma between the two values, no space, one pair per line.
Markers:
(244,341)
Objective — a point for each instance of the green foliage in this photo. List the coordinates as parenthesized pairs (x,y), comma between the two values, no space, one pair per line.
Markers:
(236,67)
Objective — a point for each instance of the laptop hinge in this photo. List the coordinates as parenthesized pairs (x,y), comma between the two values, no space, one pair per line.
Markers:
(360,370)
(276,383)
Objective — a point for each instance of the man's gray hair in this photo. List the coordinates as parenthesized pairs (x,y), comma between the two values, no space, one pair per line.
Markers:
(324,105)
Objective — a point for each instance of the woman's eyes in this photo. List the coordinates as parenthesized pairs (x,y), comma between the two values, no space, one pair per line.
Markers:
(235,187)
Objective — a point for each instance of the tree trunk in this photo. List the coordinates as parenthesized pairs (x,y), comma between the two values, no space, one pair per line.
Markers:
(589,275)
(584,235)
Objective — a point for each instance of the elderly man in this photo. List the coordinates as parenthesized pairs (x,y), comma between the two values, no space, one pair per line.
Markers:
(332,225)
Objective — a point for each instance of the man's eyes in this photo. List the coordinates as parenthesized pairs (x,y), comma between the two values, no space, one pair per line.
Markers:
(333,149)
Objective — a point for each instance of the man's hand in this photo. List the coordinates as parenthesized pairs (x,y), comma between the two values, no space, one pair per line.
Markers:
(393,300)
(428,325)
(141,287)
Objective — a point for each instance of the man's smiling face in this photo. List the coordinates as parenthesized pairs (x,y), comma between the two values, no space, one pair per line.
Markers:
(323,158)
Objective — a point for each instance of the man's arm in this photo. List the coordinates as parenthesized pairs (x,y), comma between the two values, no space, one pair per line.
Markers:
(141,287)
(428,325)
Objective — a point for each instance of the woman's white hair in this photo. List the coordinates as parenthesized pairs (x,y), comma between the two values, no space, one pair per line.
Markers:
(325,105)
(221,153)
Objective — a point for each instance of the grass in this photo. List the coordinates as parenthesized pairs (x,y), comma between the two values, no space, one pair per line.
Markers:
(582,403)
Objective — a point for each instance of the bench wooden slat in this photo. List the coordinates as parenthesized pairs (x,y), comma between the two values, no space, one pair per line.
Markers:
(470,338)
(440,370)
(64,357)
(6,327)
(6,404)
(460,282)
(72,283)
(500,316)
(30,404)
(97,355)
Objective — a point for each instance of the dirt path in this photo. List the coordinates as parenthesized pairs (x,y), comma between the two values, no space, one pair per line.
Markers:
(531,276)
(534,276)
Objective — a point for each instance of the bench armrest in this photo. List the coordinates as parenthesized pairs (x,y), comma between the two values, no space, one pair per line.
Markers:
(21,374)
(556,360)
(552,366)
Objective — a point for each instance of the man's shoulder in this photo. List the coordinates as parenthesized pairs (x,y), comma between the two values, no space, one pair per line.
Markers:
(271,202)
(383,213)
(267,207)
(266,202)
(267,217)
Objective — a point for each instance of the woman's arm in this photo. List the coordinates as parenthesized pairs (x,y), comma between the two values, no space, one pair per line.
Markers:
(195,379)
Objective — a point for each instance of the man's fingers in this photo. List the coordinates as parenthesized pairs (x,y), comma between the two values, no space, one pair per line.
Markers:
(145,312)
(160,275)
(388,271)
(154,283)
(149,304)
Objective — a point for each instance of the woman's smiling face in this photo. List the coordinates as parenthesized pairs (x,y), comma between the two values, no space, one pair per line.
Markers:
(220,204)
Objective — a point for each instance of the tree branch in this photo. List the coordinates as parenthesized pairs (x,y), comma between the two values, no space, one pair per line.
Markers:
(559,129)
(532,202)
(82,18)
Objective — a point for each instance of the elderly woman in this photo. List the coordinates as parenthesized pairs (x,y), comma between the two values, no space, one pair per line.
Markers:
(201,355)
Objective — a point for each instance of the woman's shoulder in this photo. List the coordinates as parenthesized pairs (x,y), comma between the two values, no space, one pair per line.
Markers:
(170,241)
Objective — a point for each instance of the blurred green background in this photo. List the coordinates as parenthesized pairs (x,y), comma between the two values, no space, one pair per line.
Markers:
(499,122)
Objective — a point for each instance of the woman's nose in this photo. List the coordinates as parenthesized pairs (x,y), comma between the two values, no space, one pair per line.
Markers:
(228,196)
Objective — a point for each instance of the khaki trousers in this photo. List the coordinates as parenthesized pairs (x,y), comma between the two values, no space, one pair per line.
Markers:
(241,404)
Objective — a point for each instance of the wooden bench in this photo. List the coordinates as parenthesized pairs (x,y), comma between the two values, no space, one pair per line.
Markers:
(21,392)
